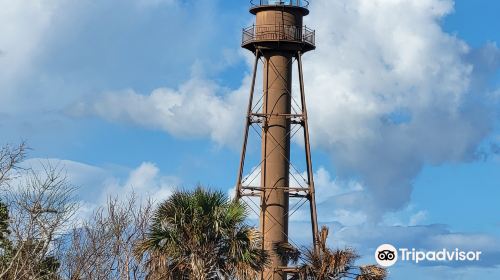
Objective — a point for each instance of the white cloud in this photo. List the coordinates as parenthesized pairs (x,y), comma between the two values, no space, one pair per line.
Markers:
(388,92)
(327,187)
(195,109)
(87,178)
(418,218)
(349,218)
(56,52)
(328,192)
(145,181)
(345,208)
(465,241)
(96,184)
(407,216)
(22,26)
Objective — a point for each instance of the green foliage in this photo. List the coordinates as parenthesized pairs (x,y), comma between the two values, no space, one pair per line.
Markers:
(22,254)
(202,235)
(4,220)
(48,268)
(5,244)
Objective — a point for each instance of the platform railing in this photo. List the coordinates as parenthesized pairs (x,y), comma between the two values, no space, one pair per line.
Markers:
(297,3)
(292,33)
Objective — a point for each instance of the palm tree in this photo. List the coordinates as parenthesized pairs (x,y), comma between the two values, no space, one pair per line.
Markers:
(328,264)
(202,235)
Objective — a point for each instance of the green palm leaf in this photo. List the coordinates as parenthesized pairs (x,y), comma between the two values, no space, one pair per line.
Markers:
(202,235)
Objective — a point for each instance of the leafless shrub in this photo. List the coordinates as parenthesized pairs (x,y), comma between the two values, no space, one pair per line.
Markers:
(41,206)
(103,247)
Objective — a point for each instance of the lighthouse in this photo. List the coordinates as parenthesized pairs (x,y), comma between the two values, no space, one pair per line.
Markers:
(278,39)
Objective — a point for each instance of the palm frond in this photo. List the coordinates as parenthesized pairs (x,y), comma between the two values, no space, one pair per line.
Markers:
(372,272)
(201,235)
(326,263)
(287,252)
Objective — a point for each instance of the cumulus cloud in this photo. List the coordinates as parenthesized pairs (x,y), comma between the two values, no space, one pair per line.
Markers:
(338,201)
(22,26)
(331,199)
(96,184)
(388,89)
(196,109)
(56,52)
(342,206)
(388,92)
(145,181)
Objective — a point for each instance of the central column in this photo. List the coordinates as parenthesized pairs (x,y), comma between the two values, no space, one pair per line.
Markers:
(276,152)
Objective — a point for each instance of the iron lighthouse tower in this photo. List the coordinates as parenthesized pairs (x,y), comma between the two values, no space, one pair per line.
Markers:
(278,39)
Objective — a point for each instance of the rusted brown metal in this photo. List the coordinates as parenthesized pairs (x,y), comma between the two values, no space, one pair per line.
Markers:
(277,82)
(247,126)
(310,177)
(277,38)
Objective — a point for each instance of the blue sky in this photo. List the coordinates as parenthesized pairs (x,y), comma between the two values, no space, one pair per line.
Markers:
(149,95)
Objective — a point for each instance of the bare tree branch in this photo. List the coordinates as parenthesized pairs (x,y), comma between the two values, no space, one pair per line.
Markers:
(10,157)
(41,207)
(103,248)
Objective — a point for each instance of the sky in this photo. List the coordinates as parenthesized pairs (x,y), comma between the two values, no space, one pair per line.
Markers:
(149,96)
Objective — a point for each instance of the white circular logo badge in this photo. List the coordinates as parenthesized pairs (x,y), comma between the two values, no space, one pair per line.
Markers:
(386,255)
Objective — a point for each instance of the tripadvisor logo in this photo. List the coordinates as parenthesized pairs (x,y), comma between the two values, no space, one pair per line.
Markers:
(387,255)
